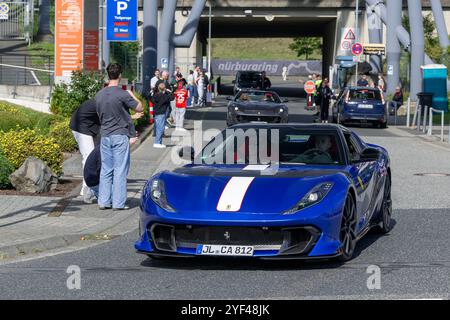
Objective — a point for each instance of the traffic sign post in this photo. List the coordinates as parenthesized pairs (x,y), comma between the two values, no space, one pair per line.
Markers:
(310,88)
(357,49)
(121,20)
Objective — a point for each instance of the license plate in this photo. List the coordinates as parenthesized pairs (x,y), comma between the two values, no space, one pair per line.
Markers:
(365,106)
(224,250)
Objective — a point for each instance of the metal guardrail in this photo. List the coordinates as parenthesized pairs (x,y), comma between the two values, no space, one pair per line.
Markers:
(33,69)
(430,127)
(421,124)
(20,73)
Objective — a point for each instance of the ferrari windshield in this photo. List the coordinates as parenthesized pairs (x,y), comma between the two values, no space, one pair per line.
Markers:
(257,96)
(285,145)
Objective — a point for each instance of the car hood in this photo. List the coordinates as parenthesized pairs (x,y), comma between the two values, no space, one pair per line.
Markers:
(231,189)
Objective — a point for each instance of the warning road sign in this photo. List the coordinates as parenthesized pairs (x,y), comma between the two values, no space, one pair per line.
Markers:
(348,38)
(350,35)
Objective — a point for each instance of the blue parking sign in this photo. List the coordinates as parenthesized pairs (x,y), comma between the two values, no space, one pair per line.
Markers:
(121,20)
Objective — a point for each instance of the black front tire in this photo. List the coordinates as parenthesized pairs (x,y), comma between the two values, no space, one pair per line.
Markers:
(386,208)
(347,233)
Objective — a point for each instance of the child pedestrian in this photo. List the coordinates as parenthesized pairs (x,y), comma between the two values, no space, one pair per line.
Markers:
(181,98)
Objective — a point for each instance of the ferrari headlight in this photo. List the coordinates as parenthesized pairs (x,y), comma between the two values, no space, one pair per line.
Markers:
(281,110)
(236,108)
(314,196)
(158,195)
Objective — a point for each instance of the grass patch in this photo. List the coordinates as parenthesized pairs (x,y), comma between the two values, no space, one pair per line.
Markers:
(13,117)
(257,49)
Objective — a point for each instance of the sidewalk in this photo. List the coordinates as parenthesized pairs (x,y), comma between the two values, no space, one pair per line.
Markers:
(435,138)
(26,227)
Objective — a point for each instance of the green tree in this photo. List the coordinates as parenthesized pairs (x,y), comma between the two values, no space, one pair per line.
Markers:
(306,46)
(432,47)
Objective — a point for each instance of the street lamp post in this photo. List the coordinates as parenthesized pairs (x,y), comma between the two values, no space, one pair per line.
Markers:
(356,39)
(209,40)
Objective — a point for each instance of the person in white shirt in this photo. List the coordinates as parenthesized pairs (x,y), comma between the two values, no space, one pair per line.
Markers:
(155,79)
(190,87)
(285,73)
(195,77)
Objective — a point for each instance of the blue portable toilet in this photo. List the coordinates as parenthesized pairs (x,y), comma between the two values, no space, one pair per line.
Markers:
(435,80)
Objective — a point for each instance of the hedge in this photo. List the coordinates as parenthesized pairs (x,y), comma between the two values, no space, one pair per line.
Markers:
(21,144)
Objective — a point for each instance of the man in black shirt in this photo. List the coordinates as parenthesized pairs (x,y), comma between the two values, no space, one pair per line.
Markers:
(263,82)
(85,126)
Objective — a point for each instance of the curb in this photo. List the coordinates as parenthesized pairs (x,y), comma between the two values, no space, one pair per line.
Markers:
(117,225)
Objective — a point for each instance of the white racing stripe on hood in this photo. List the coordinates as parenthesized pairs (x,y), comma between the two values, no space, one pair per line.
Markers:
(256,167)
(234,193)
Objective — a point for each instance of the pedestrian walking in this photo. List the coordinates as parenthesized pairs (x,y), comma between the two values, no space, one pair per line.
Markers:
(201,89)
(85,126)
(113,107)
(190,88)
(195,77)
(168,87)
(318,83)
(325,95)
(284,74)
(381,83)
(263,82)
(181,97)
(161,99)
(155,79)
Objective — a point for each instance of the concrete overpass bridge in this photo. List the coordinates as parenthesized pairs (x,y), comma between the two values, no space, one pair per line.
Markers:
(281,18)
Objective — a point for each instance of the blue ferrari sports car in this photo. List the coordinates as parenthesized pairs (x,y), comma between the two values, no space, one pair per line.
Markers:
(270,191)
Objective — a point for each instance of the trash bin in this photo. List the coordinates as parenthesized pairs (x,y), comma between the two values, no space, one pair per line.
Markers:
(425,99)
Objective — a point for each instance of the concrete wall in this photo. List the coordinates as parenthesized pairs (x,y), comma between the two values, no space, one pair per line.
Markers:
(26,92)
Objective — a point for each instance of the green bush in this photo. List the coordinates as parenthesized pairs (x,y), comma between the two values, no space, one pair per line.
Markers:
(142,122)
(6,168)
(84,86)
(21,144)
(62,133)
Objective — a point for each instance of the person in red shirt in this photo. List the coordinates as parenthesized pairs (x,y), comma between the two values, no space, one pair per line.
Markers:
(181,97)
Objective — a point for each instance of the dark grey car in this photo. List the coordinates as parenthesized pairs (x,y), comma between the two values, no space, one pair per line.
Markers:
(256,105)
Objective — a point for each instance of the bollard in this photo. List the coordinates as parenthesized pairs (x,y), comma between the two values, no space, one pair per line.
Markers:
(424,125)
(419,115)
(430,124)
(408,112)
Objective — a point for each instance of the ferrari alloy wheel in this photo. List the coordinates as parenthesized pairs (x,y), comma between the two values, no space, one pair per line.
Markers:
(386,208)
(347,234)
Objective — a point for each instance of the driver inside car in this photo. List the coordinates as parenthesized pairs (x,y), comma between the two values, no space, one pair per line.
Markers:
(319,154)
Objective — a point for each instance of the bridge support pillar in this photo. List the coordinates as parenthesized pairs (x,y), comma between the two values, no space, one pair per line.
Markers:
(417,46)
(394,19)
